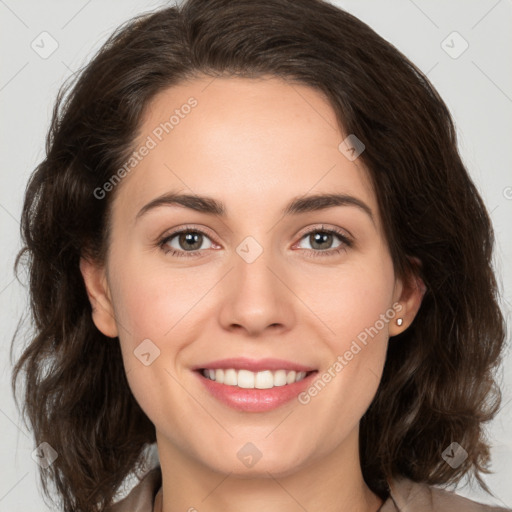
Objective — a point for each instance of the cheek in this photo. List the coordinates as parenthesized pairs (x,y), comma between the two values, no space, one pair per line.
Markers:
(152,302)
(156,311)
(357,309)
(152,315)
(352,300)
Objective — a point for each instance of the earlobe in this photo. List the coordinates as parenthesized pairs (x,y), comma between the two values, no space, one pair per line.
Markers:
(413,291)
(98,291)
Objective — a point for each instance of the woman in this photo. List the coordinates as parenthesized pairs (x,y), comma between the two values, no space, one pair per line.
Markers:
(253,242)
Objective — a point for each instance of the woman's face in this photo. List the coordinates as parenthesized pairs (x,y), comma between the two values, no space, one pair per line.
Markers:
(252,283)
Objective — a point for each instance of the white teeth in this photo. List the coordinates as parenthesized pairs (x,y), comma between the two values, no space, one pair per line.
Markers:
(264,380)
(280,378)
(246,379)
(290,377)
(230,377)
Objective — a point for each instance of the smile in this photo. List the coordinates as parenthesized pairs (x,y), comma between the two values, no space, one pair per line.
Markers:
(249,385)
(247,379)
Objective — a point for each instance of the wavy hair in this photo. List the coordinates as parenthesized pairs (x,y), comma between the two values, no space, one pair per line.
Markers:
(439,383)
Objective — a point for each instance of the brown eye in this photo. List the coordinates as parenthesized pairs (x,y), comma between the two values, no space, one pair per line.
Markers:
(321,240)
(185,241)
(190,241)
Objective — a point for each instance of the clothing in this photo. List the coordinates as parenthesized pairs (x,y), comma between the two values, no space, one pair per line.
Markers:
(406,496)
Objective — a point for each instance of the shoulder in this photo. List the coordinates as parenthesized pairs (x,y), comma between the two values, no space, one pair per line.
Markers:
(141,498)
(405,496)
(409,496)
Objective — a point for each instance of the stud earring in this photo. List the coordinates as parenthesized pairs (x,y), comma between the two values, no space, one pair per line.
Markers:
(399,321)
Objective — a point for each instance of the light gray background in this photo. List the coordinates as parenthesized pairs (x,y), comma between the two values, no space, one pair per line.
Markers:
(477,86)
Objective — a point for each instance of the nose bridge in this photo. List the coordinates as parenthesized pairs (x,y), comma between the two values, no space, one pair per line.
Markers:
(252,268)
(256,298)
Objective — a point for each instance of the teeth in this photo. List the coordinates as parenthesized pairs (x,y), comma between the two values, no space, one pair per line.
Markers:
(253,380)
(264,380)
(280,378)
(230,377)
(245,379)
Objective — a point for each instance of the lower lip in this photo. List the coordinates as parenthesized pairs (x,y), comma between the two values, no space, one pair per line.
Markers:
(255,400)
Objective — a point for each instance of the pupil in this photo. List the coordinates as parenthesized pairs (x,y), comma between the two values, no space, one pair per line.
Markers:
(191,240)
(319,238)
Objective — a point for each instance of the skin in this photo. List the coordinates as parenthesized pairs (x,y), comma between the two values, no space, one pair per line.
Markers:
(253,144)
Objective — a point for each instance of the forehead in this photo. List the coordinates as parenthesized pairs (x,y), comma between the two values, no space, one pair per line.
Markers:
(247,141)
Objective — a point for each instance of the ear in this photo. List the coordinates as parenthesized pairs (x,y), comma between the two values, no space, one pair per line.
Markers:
(98,291)
(410,293)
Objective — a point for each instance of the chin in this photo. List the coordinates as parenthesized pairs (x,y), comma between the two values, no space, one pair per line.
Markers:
(251,462)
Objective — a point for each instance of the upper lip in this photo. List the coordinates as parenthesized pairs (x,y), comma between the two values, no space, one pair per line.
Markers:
(254,365)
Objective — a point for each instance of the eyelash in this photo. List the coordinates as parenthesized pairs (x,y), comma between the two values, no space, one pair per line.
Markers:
(346,242)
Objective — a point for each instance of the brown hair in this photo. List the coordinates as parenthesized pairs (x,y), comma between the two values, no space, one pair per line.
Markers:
(438,384)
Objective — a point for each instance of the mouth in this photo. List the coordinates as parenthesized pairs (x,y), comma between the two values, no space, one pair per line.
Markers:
(247,379)
(254,386)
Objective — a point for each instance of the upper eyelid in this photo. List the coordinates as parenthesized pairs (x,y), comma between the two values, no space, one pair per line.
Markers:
(186,229)
(323,227)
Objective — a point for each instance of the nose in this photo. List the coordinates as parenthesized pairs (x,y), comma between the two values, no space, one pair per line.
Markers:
(256,297)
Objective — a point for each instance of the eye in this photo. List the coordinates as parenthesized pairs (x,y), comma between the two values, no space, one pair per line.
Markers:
(189,241)
(320,241)
(186,240)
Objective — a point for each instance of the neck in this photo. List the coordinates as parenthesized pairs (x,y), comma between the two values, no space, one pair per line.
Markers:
(333,483)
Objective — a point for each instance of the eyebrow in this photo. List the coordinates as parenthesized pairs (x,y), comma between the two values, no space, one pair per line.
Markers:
(208,205)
